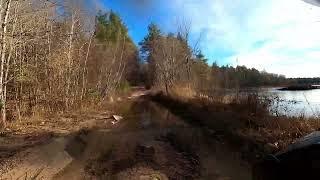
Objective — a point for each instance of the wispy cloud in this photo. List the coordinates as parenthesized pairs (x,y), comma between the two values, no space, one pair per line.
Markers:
(280,36)
(99,5)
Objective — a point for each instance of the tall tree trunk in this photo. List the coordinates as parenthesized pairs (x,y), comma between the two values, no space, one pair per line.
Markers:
(84,73)
(3,61)
(70,51)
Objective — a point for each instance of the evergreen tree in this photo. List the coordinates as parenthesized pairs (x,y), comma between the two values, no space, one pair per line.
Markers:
(154,33)
(146,44)
(109,27)
(201,57)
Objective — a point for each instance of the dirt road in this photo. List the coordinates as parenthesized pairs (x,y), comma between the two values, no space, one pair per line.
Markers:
(148,143)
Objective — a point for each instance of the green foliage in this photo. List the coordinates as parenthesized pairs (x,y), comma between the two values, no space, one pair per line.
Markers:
(110,28)
(113,35)
(146,50)
(201,57)
(242,76)
(174,48)
(206,77)
(153,34)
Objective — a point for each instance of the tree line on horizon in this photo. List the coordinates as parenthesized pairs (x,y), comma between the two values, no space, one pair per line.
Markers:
(170,61)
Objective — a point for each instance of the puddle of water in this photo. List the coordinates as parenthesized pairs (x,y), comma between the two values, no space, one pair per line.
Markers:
(149,125)
(148,142)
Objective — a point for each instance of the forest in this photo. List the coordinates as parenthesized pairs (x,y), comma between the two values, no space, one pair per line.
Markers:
(56,56)
(80,98)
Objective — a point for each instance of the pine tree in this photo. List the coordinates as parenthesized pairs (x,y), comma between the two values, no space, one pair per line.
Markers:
(146,44)
(110,28)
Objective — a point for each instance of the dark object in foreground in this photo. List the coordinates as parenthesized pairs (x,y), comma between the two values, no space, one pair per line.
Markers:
(300,161)
(299,88)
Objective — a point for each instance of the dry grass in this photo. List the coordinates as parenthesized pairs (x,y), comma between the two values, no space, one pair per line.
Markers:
(247,116)
(183,92)
(41,117)
(278,130)
(282,131)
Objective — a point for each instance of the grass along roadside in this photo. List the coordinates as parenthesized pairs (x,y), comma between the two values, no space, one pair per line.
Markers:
(246,124)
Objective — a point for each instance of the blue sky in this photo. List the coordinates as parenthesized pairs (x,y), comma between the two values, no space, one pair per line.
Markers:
(279,36)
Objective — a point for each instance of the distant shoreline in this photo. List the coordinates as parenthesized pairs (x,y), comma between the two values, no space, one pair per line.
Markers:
(300,88)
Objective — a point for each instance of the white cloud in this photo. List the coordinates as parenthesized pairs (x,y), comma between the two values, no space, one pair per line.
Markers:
(280,36)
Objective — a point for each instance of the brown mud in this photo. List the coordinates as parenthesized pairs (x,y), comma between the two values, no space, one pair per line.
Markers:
(149,143)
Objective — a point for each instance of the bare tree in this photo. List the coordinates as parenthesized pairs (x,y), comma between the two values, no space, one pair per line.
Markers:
(172,57)
(51,58)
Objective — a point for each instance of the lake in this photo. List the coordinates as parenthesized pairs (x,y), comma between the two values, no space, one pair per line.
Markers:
(294,103)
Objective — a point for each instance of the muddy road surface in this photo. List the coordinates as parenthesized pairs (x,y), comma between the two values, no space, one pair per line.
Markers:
(148,143)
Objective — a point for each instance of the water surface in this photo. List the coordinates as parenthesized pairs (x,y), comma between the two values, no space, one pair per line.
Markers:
(294,103)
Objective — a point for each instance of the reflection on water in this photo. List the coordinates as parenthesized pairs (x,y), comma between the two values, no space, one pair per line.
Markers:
(286,103)
(295,103)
